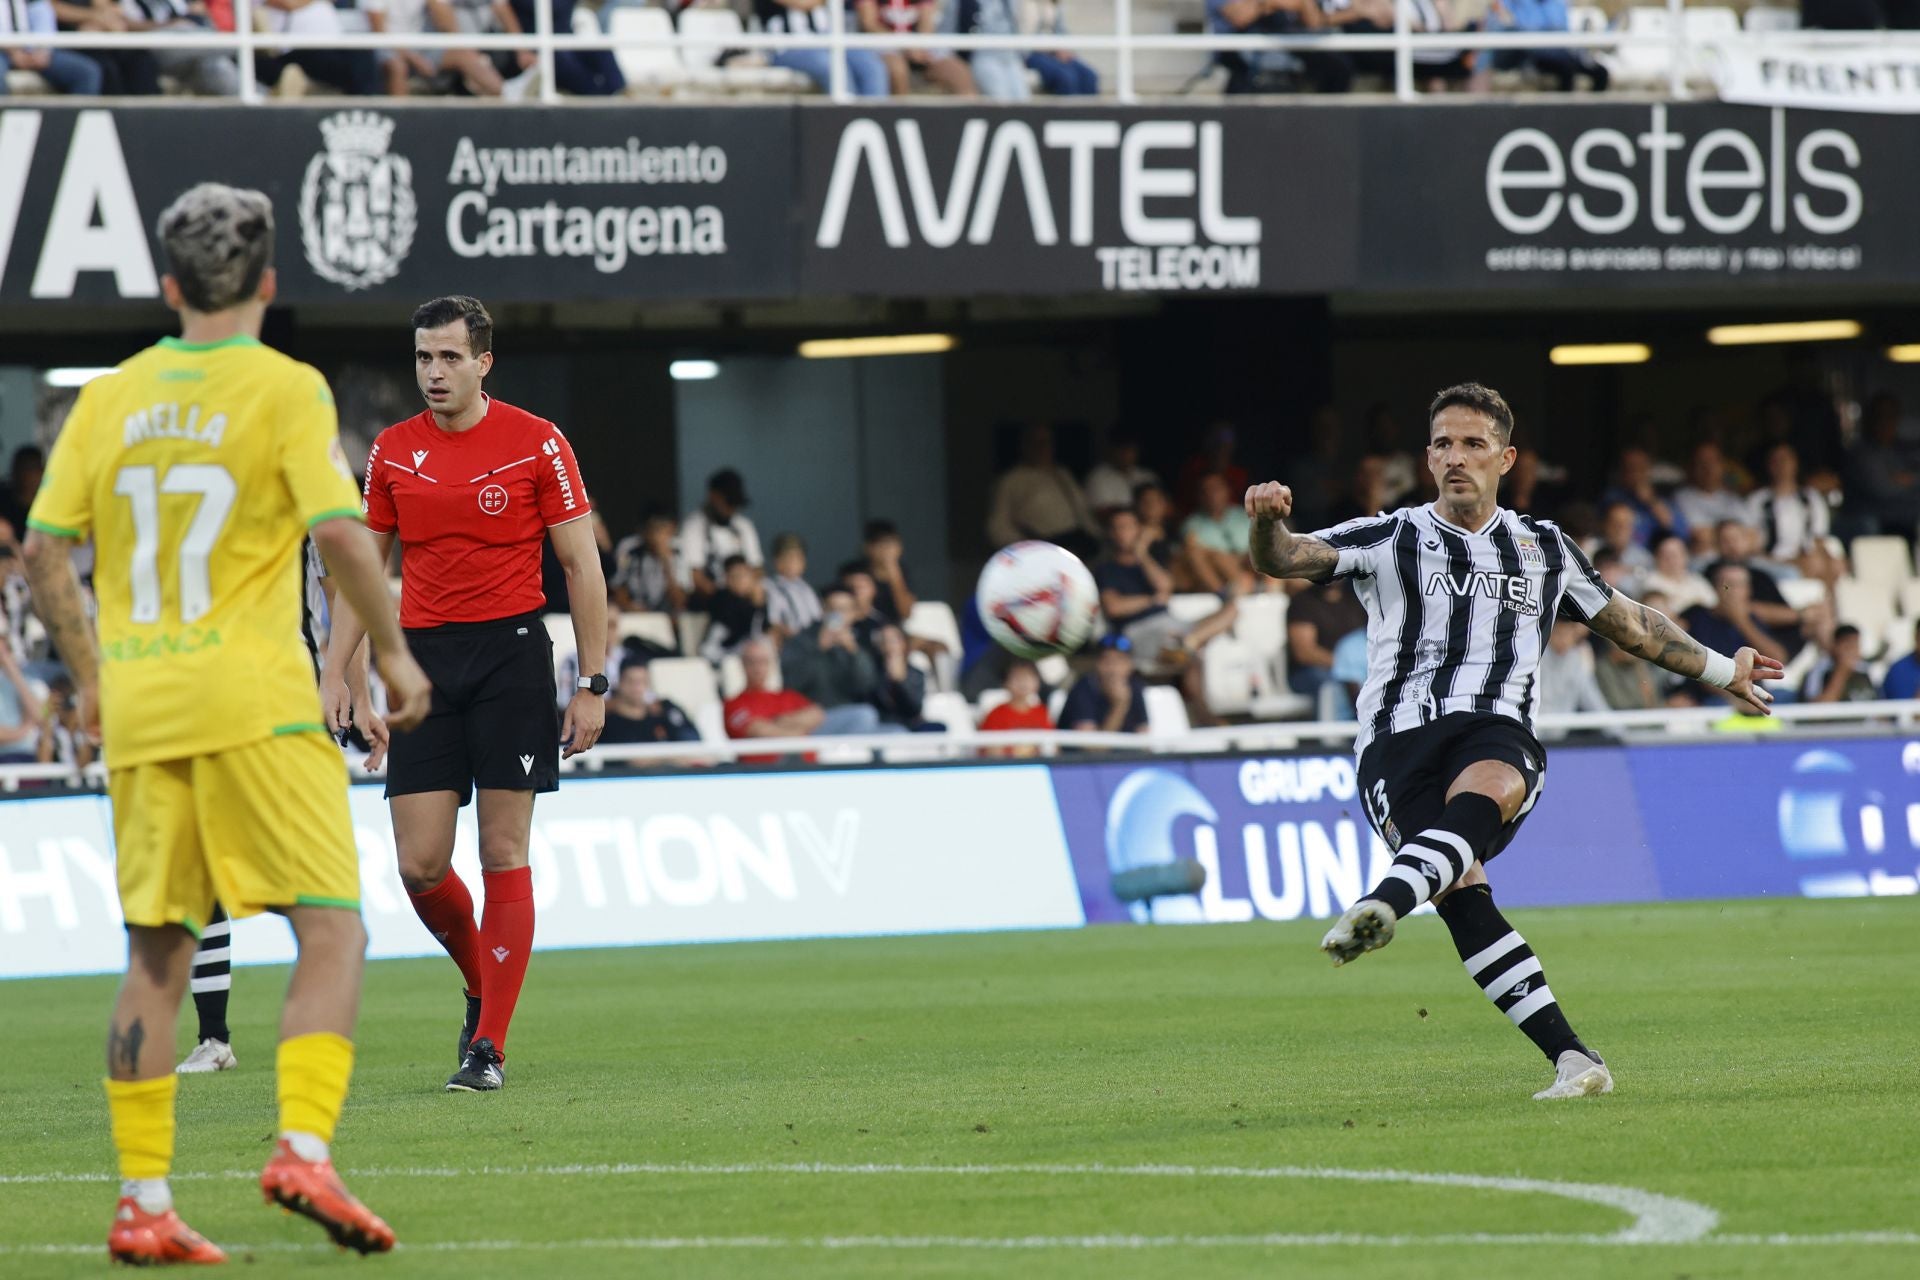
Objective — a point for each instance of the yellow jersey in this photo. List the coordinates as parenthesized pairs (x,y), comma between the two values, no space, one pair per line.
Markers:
(197,469)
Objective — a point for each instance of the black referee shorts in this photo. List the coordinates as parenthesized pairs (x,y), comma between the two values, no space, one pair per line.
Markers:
(1404,776)
(494,722)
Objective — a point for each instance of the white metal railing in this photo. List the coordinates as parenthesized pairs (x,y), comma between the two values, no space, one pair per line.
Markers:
(1665,724)
(1678,44)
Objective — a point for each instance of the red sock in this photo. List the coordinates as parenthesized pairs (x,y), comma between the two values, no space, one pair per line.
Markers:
(506,940)
(447,911)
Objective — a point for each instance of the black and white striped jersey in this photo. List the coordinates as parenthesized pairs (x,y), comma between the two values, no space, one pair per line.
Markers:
(1457,620)
(313,604)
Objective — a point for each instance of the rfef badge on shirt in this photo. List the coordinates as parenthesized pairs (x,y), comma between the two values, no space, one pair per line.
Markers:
(471,509)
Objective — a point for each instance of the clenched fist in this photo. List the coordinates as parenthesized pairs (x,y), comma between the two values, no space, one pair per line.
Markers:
(1271,500)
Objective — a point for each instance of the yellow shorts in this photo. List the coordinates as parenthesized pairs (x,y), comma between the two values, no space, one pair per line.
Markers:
(258,827)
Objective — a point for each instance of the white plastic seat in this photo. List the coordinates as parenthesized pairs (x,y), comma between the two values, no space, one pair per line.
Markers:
(1762,18)
(1055,673)
(1897,639)
(688,682)
(1232,676)
(1802,592)
(1884,560)
(705,34)
(586,22)
(951,710)
(1586,17)
(1193,606)
(648,56)
(1166,712)
(1644,64)
(654,627)
(989,699)
(1867,605)
(26,83)
(566,654)
(1910,598)
(692,629)
(934,620)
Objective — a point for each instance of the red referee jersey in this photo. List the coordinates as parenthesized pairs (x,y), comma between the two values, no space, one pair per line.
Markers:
(471,509)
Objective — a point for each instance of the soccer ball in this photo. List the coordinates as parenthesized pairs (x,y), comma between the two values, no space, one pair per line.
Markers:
(1037,599)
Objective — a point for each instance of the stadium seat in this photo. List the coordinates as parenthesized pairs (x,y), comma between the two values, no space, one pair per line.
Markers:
(1910,598)
(733,676)
(1644,64)
(1884,561)
(1586,17)
(586,22)
(711,721)
(1866,605)
(26,83)
(692,628)
(934,620)
(1166,712)
(1802,592)
(951,710)
(560,631)
(1763,18)
(1233,676)
(1897,641)
(656,627)
(1056,700)
(649,59)
(1055,672)
(1193,606)
(989,699)
(688,682)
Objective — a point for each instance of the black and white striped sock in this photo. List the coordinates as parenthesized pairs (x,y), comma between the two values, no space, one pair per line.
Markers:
(1427,863)
(1504,966)
(213,977)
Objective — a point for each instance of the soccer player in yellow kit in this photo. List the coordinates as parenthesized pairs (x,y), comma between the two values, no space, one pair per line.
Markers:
(196,468)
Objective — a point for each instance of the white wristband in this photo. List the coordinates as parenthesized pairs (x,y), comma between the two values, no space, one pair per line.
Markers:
(1719,672)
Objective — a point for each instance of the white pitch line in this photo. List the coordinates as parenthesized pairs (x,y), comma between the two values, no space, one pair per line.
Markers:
(1657,1219)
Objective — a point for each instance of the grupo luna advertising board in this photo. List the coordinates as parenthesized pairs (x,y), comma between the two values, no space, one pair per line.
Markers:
(397,202)
(623,862)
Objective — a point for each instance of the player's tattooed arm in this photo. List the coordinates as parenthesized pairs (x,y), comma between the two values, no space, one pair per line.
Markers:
(1276,550)
(1650,634)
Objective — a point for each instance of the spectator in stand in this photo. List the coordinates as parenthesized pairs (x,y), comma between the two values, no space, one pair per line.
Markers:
(1024,707)
(1707,499)
(1061,73)
(864,595)
(65,70)
(1620,534)
(762,711)
(1366,496)
(1673,576)
(648,575)
(621,650)
(21,708)
(792,604)
(350,71)
(1112,697)
(1360,18)
(16,597)
(1134,590)
(589,73)
(1840,675)
(28,467)
(827,664)
(1626,682)
(1903,677)
(737,612)
(1038,498)
(1883,473)
(1566,672)
(65,741)
(1000,74)
(1793,518)
(718,531)
(1438,70)
(1730,624)
(1613,572)
(893,598)
(1317,476)
(201,70)
(1652,514)
(1151,508)
(1318,619)
(1216,539)
(1215,456)
(1116,482)
(124,73)
(942,68)
(635,713)
(1401,470)
(1271,71)
(475,71)
(900,693)
(866,73)
(1560,65)
(1520,491)
(1735,541)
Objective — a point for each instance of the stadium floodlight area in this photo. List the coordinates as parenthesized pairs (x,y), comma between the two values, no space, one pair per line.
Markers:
(1669,49)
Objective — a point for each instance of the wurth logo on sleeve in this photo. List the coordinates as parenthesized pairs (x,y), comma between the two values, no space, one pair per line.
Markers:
(552,449)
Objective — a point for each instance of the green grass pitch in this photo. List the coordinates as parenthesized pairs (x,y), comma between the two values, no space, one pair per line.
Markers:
(930,1107)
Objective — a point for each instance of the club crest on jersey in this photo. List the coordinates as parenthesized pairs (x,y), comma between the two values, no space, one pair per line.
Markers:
(1530,552)
(493,499)
(357,210)
(1513,590)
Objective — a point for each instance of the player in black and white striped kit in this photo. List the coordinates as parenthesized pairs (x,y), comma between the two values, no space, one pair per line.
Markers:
(212,980)
(1461,597)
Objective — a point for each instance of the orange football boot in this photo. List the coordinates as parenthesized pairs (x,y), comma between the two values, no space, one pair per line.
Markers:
(143,1239)
(311,1188)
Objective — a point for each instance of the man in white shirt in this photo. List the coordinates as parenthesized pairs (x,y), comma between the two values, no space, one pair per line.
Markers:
(64,70)
(1705,500)
(204,70)
(718,531)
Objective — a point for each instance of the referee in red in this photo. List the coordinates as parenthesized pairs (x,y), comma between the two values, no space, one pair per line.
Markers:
(471,488)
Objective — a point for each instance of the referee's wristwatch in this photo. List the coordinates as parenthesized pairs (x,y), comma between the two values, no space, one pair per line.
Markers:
(596,685)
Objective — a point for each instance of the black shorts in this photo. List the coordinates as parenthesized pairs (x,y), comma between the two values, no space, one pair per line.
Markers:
(1404,776)
(495,722)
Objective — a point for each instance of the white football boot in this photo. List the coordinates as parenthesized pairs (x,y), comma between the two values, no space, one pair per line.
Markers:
(1367,926)
(1576,1075)
(208,1055)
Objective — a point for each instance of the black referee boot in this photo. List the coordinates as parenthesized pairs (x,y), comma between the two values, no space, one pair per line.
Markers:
(483,1071)
(468,1027)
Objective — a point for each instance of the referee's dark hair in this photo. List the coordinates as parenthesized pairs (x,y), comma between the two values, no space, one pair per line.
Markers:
(1483,400)
(458,306)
